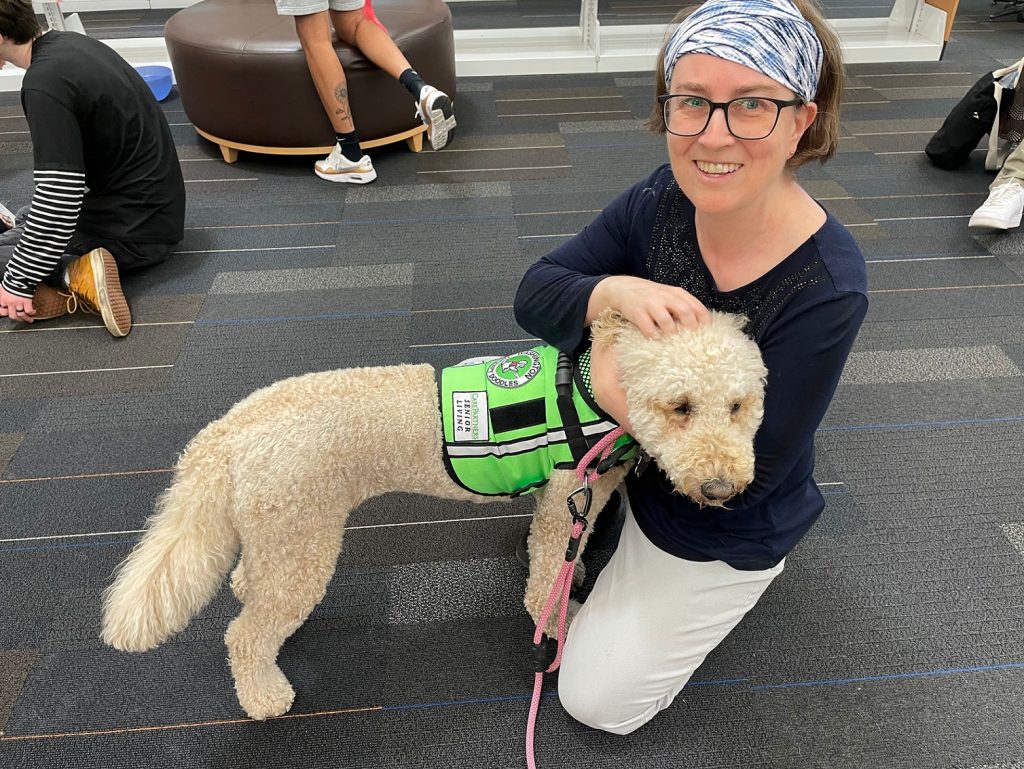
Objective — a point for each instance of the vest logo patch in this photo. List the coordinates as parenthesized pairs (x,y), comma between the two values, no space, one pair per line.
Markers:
(470,418)
(514,370)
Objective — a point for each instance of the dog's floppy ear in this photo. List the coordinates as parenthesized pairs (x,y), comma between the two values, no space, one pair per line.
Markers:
(610,327)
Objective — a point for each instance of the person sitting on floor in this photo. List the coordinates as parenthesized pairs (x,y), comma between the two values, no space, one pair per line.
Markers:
(109,194)
(1004,206)
(358,28)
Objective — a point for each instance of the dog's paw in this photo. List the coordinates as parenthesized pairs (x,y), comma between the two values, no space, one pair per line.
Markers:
(266,696)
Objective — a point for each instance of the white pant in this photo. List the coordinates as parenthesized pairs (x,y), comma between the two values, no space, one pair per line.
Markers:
(649,623)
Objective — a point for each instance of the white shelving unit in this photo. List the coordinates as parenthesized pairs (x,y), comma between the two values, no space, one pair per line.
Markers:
(912,32)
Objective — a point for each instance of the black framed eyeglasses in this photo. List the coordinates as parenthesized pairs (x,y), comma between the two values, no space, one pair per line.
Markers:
(747,117)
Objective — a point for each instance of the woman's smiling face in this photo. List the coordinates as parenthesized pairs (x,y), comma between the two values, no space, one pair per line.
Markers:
(716,171)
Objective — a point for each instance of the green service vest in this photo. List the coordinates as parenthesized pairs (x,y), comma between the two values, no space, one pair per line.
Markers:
(505,428)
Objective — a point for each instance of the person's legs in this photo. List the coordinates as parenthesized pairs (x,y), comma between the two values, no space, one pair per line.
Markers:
(1004,206)
(128,257)
(359,32)
(649,623)
(87,276)
(92,268)
(315,36)
(432,106)
(1013,168)
(346,163)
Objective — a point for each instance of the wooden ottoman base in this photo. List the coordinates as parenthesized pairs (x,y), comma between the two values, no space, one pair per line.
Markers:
(229,149)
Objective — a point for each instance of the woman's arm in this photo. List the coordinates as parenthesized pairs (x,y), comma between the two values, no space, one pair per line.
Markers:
(605,266)
(553,298)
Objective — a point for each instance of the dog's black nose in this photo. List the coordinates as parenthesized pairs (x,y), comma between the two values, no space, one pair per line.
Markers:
(717,489)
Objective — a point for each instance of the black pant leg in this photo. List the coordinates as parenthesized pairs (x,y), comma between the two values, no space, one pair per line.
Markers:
(129,256)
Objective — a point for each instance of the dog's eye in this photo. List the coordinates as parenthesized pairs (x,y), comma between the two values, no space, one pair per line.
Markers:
(684,408)
(735,407)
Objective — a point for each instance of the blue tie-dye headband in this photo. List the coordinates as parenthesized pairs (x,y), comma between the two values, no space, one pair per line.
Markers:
(770,36)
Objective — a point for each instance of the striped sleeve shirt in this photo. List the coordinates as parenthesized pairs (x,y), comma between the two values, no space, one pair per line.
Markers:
(52,218)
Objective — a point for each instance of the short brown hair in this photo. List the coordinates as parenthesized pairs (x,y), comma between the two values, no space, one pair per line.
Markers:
(18,21)
(821,140)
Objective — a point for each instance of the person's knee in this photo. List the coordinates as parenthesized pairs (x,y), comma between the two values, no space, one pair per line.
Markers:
(313,29)
(602,710)
(346,24)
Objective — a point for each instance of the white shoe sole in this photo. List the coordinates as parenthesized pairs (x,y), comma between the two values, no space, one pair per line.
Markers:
(993,224)
(440,126)
(361,177)
(108,289)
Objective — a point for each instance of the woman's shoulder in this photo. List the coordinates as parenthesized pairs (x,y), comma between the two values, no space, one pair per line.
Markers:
(639,203)
(651,188)
(646,197)
(841,256)
(662,182)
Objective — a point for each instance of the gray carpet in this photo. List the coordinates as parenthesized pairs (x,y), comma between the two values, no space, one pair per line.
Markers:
(893,639)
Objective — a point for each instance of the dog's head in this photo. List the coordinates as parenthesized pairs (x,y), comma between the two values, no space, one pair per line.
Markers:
(695,399)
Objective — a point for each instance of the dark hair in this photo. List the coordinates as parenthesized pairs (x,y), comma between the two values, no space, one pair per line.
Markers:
(821,139)
(18,21)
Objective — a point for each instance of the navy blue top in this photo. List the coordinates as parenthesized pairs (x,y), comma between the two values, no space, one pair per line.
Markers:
(804,315)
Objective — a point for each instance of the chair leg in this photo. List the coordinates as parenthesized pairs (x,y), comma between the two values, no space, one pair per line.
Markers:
(230,154)
(415,143)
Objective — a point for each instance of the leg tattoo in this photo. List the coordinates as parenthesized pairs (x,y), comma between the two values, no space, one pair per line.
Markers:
(341,94)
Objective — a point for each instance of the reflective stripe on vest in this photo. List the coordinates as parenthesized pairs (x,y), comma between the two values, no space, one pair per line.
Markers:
(503,430)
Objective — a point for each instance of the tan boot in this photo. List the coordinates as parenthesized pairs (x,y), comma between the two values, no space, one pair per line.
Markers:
(49,303)
(94,282)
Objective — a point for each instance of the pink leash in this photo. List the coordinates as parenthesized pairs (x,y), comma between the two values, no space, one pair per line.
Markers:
(563,583)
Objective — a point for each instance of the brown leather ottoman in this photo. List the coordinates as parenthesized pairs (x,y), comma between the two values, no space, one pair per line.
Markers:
(245,85)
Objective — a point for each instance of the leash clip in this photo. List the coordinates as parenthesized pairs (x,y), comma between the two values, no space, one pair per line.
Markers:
(642,463)
(578,517)
(570,502)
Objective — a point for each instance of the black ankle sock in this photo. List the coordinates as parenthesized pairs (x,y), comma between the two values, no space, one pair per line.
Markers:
(412,82)
(350,145)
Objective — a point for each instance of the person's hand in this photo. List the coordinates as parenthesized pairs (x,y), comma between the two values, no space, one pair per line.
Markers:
(15,307)
(654,308)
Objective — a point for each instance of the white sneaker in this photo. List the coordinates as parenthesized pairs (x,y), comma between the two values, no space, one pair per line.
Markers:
(1002,210)
(435,110)
(338,168)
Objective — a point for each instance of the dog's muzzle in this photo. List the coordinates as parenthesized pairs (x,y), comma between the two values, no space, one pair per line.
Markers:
(717,490)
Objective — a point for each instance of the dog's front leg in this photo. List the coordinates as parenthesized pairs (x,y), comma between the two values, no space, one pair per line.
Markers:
(550,532)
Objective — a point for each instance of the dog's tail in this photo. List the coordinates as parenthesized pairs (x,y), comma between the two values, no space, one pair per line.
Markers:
(177,567)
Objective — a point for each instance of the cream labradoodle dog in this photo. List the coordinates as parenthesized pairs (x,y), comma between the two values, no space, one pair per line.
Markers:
(276,478)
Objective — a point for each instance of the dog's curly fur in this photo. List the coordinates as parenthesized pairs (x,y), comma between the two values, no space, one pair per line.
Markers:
(276,478)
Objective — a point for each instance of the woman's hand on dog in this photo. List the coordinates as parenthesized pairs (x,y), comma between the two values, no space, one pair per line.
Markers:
(654,308)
